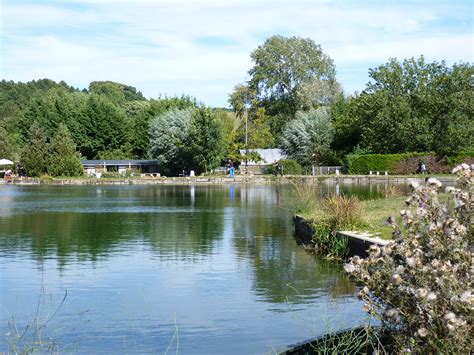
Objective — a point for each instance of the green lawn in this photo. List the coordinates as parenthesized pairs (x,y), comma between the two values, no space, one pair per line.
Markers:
(374,214)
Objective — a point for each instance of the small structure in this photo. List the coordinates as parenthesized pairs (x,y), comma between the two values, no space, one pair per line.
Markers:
(269,157)
(4,163)
(326,170)
(92,167)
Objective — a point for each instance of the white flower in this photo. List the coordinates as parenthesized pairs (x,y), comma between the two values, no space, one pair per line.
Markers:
(466,297)
(422,332)
(456,169)
(450,189)
(414,184)
(404,213)
(460,229)
(411,262)
(435,263)
(400,269)
(449,316)
(431,296)
(349,268)
(421,293)
(397,279)
(434,182)
(387,249)
(392,313)
(374,251)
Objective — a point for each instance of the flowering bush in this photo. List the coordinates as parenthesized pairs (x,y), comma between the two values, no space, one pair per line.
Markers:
(420,284)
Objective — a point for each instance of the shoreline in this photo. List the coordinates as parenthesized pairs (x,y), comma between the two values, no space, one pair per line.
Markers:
(218,180)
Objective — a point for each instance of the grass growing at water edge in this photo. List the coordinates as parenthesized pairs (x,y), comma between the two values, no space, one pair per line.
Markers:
(31,339)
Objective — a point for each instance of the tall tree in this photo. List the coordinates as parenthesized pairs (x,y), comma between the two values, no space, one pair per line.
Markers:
(52,108)
(117,93)
(64,159)
(105,126)
(417,106)
(285,69)
(169,133)
(254,130)
(206,140)
(307,139)
(35,153)
(140,114)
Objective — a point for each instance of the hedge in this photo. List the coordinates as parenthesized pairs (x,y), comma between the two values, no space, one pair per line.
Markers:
(405,163)
(289,167)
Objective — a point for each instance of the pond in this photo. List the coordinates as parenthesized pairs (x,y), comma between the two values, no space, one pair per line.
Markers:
(192,269)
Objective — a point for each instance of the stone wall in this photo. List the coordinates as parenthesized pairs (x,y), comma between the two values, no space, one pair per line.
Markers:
(358,242)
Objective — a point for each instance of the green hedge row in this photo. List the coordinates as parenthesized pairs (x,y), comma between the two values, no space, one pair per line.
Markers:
(405,163)
(287,166)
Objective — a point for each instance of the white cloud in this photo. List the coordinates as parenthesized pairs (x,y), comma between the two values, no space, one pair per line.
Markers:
(450,48)
(157,45)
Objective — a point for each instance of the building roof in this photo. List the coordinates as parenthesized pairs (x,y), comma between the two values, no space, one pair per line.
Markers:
(119,162)
(269,156)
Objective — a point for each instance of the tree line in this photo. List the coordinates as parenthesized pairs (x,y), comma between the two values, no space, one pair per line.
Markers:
(292,100)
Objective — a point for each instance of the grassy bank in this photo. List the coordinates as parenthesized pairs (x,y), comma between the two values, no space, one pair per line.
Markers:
(348,213)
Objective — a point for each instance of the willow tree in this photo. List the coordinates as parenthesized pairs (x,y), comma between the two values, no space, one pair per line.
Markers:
(307,139)
(169,139)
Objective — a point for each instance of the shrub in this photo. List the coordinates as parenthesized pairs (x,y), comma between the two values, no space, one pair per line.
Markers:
(329,243)
(405,163)
(288,166)
(338,212)
(364,163)
(419,285)
(462,157)
(342,211)
(391,191)
(110,174)
(304,198)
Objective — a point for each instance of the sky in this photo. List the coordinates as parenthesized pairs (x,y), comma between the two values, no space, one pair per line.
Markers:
(202,47)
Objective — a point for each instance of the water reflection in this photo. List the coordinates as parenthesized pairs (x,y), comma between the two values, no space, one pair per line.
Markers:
(222,259)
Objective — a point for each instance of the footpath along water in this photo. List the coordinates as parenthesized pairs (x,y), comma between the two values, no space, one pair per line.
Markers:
(201,269)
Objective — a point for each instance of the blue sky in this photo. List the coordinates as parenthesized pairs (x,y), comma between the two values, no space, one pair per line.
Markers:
(202,48)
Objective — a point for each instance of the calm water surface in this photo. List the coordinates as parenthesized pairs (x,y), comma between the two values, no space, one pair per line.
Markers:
(154,268)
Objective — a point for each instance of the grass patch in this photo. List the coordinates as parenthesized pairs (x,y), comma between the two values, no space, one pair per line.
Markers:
(362,216)
(376,212)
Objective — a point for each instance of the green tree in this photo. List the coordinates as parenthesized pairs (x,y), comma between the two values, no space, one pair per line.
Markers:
(259,134)
(34,155)
(291,74)
(117,93)
(169,133)
(206,140)
(105,127)
(307,139)
(454,124)
(242,99)
(417,106)
(52,108)
(346,123)
(140,114)
(230,123)
(254,130)
(64,160)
